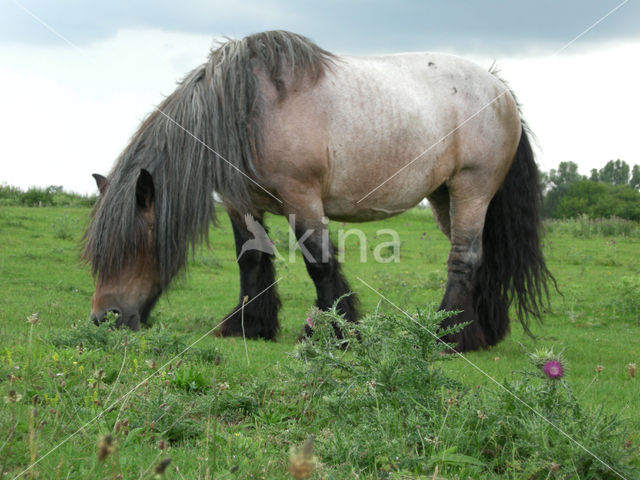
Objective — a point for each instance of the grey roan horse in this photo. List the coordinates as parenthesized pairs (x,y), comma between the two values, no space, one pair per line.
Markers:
(273,123)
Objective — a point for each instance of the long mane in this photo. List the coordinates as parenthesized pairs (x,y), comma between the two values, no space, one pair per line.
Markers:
(215,112)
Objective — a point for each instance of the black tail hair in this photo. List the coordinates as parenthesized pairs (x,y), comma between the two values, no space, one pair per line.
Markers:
(513,269)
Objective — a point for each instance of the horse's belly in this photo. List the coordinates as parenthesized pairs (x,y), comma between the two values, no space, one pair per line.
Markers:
(358,208)
(384,162)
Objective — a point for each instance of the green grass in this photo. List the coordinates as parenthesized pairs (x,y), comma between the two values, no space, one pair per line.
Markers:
(210,411)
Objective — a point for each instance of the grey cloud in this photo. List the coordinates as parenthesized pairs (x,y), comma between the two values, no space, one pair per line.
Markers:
(492,26)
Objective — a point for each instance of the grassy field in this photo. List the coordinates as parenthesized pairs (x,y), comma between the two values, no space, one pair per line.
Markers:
(85,402)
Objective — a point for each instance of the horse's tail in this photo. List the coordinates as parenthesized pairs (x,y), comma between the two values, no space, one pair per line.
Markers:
(513,269)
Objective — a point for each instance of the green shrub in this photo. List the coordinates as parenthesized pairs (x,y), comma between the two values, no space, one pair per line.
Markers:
(53,195)
(380,403)
(627,300)
(9,195)
(37,197)
(584,227)
(64,226)
(594,199)
(190,379)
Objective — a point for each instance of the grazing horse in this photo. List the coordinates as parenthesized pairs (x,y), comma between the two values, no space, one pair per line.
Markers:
(273,123)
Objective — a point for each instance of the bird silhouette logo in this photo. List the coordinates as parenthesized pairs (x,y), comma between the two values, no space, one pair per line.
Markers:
(260,240)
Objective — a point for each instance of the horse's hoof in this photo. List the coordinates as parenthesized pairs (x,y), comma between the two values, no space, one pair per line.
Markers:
(307,332)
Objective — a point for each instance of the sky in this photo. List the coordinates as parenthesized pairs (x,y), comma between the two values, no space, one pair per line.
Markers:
(77,77)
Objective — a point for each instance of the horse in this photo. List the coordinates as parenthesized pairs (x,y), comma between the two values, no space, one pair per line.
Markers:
(273,123)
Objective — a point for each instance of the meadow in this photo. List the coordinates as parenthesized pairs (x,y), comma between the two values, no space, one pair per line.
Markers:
(173,400)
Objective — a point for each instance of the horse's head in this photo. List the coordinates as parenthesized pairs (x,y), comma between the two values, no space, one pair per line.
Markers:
(123,259)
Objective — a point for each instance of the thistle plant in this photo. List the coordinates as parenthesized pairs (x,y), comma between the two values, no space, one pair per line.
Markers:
(384,380)
(550,364)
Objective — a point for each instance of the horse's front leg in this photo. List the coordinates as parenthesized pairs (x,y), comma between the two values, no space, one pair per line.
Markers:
(259,315)
(311,230)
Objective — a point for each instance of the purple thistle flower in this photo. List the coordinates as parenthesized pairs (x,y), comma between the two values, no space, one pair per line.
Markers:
(553,369)
(309,322)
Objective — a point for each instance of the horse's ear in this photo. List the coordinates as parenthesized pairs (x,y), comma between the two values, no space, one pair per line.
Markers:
(145,190)
(101,182)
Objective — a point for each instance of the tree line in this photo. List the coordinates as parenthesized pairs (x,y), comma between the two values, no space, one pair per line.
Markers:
(51,196)
(613,190)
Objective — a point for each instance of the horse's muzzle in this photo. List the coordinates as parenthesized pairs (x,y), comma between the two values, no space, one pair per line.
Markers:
(122,318)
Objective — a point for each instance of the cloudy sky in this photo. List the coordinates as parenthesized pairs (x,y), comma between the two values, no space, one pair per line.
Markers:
(77,77)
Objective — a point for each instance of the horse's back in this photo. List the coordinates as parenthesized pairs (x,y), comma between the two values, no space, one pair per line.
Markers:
(400,124)
(423,113)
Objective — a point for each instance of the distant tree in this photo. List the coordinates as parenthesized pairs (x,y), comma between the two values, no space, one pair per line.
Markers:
(597,200)
(37,196)
(629,203)
(579,198)
(566,174)
(615,172)
(54,189)
(635,177)
(53,195)
(545,182)
(610,191)
(558,182)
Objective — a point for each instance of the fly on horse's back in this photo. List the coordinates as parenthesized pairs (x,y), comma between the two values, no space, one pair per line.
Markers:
(273,123)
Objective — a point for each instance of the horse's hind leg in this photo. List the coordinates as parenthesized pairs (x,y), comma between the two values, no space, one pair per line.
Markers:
(466,225)
(257,277)
(439,201)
